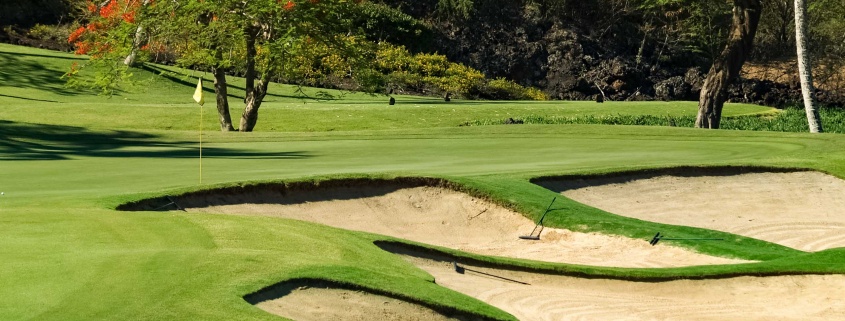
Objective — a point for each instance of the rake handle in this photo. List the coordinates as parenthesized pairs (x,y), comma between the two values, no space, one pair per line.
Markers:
(546,212)
(692,239)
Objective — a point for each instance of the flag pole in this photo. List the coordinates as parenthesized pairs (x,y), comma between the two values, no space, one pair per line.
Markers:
(201,110)
(198,97)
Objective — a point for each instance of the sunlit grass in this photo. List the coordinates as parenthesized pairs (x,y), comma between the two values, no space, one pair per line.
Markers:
(67,158)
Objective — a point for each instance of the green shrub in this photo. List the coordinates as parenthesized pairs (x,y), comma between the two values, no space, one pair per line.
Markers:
(388,24)
(435,74)
(390,58)
(461,79)
(423,73)
(51,36)
(788,120)
(503,89)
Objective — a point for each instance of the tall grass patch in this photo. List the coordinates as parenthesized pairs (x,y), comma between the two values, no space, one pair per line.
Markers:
(787,120)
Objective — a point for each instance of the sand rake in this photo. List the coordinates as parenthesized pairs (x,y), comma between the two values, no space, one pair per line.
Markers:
(539,225)
(172,202)
(462,270)
(657,237)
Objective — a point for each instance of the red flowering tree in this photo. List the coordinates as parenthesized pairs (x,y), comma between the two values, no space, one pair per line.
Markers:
(103,38)
(257,38)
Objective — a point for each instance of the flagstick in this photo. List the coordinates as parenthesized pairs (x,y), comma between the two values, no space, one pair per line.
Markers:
(201,109)
(198,97)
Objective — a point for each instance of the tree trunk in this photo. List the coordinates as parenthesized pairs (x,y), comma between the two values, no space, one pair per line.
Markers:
(136,42)
(251,52)
(222,93)
(133,54)
(805,67)
(253,102)
(254,94)
(714,92)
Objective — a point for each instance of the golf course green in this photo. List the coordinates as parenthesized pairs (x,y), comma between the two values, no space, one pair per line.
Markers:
(69,158)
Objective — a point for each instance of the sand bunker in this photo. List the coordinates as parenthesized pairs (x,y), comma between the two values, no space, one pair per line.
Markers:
(553,297)
(451,219)
(319,304)
(802,210)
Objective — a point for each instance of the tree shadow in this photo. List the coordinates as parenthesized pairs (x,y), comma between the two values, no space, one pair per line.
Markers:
(459,102)
(26,73)
(184,81)
(30,99)
(27,141)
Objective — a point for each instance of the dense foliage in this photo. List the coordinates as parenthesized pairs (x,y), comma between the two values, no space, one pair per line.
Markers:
(104,39)
(298,47)
(775,46)
(27,13)
(627,50)
(624,49)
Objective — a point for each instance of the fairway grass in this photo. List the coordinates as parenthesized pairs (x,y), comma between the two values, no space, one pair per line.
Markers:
(30,81)
(67,159)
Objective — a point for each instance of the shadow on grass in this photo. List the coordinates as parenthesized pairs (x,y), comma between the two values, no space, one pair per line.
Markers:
(26,141)
(562,183)
(28,73)
(290,287)
(460,102)
(190,81)
(30,99)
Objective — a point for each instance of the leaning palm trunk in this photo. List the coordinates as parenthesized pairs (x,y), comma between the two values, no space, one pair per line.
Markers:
(714,92)
(805,67)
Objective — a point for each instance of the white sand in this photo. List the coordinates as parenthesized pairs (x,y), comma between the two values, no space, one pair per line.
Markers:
(802,210)
(456,220)
(321,304)
(556,298)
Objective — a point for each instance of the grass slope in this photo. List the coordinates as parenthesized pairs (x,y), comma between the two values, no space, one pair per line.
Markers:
(67,158)
(30,81)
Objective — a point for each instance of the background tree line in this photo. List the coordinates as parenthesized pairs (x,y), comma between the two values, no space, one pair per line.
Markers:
(617,49)
(528,41)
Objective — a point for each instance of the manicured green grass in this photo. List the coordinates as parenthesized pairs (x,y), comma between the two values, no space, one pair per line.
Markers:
(30,79)
(67,255)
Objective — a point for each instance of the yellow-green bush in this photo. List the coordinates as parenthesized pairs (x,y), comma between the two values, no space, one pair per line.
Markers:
(435,74)
(422,73)
(432,65)
(502,89)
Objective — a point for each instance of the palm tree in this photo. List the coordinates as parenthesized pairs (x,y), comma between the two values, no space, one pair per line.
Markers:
(805,68)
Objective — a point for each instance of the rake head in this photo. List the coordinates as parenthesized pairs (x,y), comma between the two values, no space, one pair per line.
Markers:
(539,225)
(457,267)
(655,239)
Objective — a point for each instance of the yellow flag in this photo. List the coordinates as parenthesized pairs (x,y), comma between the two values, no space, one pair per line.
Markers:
(198,93)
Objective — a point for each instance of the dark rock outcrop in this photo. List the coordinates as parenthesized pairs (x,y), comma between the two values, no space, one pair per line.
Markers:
(576,56)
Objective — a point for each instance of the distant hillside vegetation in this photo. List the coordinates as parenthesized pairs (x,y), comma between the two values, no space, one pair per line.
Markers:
(625,50)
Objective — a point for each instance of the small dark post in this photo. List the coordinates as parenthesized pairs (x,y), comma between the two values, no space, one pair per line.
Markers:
(392,101)
(599,99)
(448,96)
